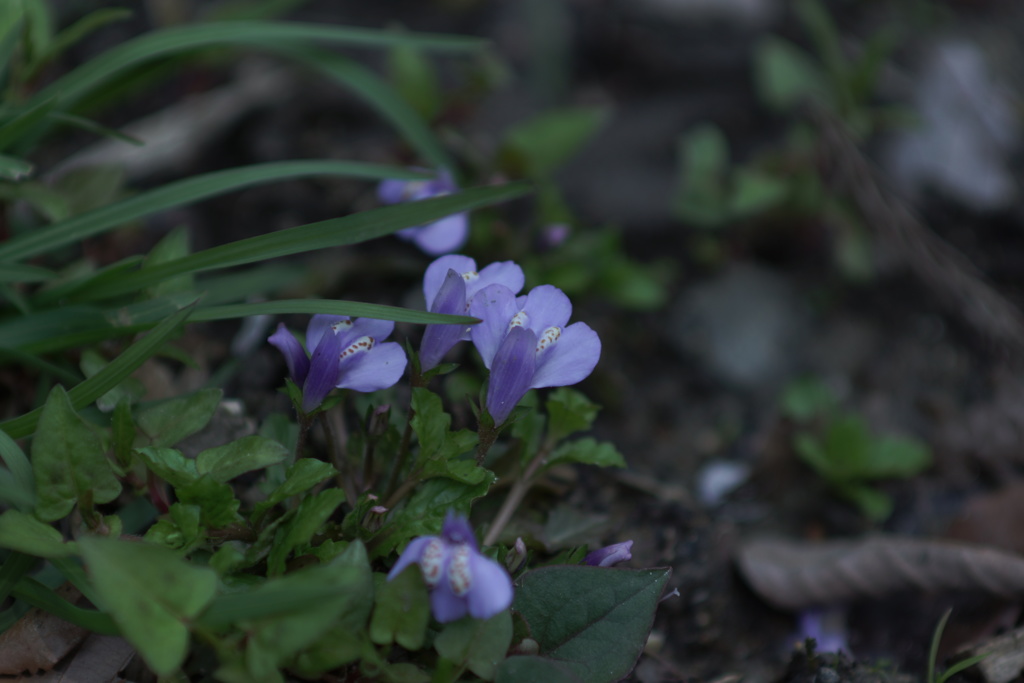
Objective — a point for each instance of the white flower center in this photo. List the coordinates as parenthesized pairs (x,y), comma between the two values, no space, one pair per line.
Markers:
(549,338)
(520,319)
(459,577)
(471,276)
(341,325)
(361,345)
(431,562)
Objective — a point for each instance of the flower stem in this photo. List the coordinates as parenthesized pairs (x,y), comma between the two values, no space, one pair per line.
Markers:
(515,497)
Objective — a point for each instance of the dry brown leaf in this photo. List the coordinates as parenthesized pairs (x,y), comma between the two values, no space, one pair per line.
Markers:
(99,660)
(796,575)
(39,640)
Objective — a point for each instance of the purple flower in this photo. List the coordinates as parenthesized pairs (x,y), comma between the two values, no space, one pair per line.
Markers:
(526,345)
(345,353)
(827,626)
(610,555)
(448,285)
(440,237)
(461,580)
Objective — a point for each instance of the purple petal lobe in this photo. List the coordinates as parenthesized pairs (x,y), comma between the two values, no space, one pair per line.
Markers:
(323,372)
(373,370)
(506,273)
(443,236)
(439,339)
(511,372)
(294,354)
(369,327)
(320,323)
(437,271)
(610,555)
(547,306)
(393,191)
(491,590)
(411,555)
(570,359)
(494,305)
(456,530)
(445,605)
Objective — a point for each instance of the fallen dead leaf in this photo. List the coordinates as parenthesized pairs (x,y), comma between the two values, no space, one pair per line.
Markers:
(39,640)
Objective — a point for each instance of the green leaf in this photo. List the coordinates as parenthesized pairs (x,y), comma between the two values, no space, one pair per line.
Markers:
(18,464)
(169,422)
(588,451)
(224,463)
(703,166)
(122,432)
(14,494)
(754,192)
(807,398)
(79,30)
(16,272)
(180,193)
(216,500)
(130,389)
(875,505)
(302,476)
(174,245)
(152,594)
(112,375)
(69,461)
(439,446)
(180,529)
(310,516)
(402,611)
(569,411)
(479,645)
(315,236)
(539,146)
(593,619)
(169,464)
(785,75)
(23,532)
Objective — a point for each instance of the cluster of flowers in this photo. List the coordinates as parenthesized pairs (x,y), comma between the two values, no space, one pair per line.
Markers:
(526,343)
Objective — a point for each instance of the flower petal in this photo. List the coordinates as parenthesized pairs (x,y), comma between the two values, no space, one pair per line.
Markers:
(491,591)
(511,372)
(494,305)
(569,360)
(378,368)
(547,306)
(392,191)
(319,324)
(506,273)
(411,555)
(456,530)
(324,371)
(439,339)
(610,555)
(445,605)
(294,355)
(368,327)
(444,235)
(437,271)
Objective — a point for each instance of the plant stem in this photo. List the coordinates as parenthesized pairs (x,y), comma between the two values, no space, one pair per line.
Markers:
(515,497)
(339,455)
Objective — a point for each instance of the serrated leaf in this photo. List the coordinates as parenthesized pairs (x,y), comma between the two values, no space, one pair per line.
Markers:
(402,611)
(569,411)
(169,422)
(309,517)
(588,451)
(425,511)
(169,464)
(216,501)
(152,595)
(224,463)
(595,620)
(68,460)
(479,645)
(302,476)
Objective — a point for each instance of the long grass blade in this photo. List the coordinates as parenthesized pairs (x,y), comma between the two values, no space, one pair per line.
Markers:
(354,309)
(261,34)
(334,232)
(18,464)
(38,595)
(183,192)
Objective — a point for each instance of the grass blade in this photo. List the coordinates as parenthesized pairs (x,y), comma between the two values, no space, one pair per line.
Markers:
(334,232)
(354,309)
(18,464)
(260,34)
(38,595)
(184,192)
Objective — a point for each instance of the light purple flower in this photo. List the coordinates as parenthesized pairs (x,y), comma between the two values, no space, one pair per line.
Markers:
(461,580)
(440,237)
(526,345)
(448,285)
(610,555)
(346,353)
(827,626)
